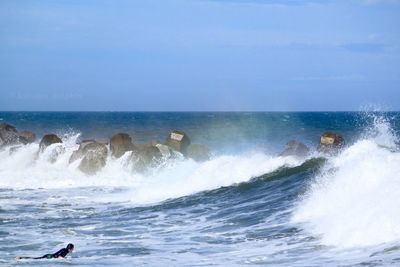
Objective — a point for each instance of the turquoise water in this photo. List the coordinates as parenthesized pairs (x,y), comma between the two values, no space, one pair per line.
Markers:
(244,206)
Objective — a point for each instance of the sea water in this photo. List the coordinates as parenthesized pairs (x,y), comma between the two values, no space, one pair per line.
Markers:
(245,206)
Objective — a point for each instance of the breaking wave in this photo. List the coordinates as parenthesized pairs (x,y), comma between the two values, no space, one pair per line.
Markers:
(355,200)
(25,168)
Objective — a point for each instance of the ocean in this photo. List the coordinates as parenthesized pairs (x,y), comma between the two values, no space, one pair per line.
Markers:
(245,206)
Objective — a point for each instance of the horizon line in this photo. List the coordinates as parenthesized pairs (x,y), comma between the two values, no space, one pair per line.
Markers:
(195,111)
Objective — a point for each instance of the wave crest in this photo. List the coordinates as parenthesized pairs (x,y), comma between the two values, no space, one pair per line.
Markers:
(354,202)
(26,169)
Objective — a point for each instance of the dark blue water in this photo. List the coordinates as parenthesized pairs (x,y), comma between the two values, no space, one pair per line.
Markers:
(244,206)
(221,130)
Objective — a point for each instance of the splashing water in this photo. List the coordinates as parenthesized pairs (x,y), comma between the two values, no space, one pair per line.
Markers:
(238,208)
(354,202)
(28,169)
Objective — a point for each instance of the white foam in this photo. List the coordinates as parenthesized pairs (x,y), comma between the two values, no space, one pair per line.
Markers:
(188,177)
(355,201)
(26,169)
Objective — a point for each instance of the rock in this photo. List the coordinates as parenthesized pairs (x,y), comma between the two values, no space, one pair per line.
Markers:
(145,157)
(77,154)
(105,141)
(295,148)
(94,159)
(179,141)
(55,153)
(48,140)
(330,142)
(8,127)
(27,137)
(8,135)
(164,150)
(198,152)
(121,143)
(152,143)
(93,154)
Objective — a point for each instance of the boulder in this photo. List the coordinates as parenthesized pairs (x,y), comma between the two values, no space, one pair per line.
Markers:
(121,143)
(77,154)
(198,152)
(164,150)
(295,148)
(94,159)
(27,137)
(55,153)
(93,155)
(145,157)
(152,143)
(8,135)
(48,140)
(330,142)
(178,140)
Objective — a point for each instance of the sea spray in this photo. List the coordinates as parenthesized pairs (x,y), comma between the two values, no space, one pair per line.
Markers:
(121,218)
(188,177)
(26,169)
(355,202)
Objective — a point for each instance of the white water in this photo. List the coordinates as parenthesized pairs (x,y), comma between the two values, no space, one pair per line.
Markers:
(355,201)
(352,203)
(26,169)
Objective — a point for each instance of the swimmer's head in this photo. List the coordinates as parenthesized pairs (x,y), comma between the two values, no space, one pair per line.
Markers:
(70,247)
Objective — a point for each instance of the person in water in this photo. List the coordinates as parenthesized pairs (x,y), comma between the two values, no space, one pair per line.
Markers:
(59,254)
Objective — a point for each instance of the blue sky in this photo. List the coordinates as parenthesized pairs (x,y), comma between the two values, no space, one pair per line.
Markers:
(198,55)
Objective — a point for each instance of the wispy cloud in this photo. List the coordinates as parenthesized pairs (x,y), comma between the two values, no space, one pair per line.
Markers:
(273,2)
(348,77)
(364,47)
(378,2)
(306,2)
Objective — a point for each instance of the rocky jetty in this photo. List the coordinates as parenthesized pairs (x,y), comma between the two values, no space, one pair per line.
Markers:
(295,148)
(27,137)
(8,135)
(330,142)
(164,150)
(145,157)
(178,141)
(77,154)
(93,155)
(121,143)
(198,152)
(48,140)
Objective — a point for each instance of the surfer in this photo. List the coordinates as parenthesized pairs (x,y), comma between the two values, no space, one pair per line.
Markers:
(59,254)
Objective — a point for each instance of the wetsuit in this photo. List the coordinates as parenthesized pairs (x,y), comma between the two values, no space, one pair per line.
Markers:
(61,253)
